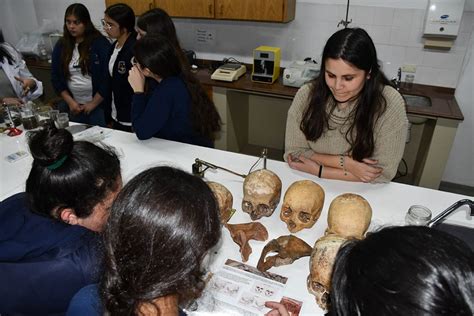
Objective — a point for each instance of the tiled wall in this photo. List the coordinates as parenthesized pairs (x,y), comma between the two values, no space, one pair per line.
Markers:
(397,33)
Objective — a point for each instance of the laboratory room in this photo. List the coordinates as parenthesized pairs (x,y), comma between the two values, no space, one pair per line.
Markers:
(236,157)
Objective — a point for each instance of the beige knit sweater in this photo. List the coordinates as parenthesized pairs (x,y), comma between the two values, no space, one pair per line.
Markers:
(390,132)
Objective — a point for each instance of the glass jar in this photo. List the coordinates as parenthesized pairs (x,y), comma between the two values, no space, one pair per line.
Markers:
(418,215)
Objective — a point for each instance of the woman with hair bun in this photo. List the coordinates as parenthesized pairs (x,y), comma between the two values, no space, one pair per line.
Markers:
(49,241)
(161,226)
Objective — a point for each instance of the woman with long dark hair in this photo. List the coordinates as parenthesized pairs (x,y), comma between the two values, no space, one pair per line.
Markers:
(407,270)
(79,67)
(162,225)
(174,106)
(157,22)
(410,270)
(49,242)
(349,123)
(119,23)
(17,84)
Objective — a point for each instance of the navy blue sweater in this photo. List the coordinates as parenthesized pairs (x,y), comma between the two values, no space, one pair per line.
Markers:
(165,112)
(118,85)
(43,262)
(87,302)
(97,68)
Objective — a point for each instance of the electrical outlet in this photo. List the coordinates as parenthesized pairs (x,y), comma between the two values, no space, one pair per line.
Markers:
(409,68)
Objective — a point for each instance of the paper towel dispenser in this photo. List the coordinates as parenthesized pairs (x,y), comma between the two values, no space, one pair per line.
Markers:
(443,18)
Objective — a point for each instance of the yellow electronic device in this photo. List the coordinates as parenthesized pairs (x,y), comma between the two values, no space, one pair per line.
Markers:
(229,72)
(266,64)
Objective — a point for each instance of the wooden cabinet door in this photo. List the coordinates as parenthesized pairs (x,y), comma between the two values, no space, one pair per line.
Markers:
(187,8)
(138,6)
(257,10)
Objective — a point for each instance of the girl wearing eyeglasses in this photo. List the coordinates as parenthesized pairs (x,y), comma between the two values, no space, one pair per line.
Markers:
(119,23)
(79,67)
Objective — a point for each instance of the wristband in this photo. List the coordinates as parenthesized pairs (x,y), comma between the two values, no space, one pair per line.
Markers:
(320,170)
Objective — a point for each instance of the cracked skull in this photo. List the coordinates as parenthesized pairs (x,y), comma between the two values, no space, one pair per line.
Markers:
(262,192)
(349,216)
(320,268)
(224,200)
(302,205)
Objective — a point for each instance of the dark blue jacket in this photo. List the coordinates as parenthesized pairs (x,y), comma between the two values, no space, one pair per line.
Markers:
(87,302)
(98,67)
(165,112)
(118,83)
(43,262)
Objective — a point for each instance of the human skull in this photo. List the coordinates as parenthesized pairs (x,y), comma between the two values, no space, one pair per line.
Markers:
(262,192)
(349,216)
(320,268)
(287,248)
(224,200)
(302,205)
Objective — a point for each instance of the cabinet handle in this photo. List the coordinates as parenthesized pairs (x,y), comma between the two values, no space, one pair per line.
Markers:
(150,5)
(210,9)
(222,10)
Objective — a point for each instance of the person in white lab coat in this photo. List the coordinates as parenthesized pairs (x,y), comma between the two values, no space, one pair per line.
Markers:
(17,84)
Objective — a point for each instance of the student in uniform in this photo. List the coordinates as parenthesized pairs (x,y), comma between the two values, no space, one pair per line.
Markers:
(119,23)
(80,67)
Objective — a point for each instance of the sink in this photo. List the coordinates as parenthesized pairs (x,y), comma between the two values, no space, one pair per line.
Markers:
(462,232)
(417,100)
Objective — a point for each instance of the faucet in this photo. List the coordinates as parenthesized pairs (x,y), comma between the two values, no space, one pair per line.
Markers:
(398,79)
(435,221)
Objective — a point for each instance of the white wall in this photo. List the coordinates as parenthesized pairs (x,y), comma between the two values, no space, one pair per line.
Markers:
(460,168)
(395,26)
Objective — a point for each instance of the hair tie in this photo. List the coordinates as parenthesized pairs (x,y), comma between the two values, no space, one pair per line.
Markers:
(58,163)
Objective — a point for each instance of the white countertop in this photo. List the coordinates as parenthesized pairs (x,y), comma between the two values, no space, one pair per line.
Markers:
(389,201)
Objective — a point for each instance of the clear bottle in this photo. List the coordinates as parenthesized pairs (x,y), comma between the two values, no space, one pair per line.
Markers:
(418,215)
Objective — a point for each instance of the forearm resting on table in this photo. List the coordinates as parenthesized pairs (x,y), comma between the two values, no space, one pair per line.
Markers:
(337,174)
(332,168)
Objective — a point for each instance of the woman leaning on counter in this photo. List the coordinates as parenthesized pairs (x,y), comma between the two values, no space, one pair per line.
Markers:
(349,123)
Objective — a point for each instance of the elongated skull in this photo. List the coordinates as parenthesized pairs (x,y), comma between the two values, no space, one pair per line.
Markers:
(349,216)
(262,192)
(287,248)
(320,268)
(224,200)
(302,205)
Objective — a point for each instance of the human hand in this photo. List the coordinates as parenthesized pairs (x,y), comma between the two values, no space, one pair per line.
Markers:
(366,171)
(278,309)
(75,107)
(304,164)
(27,85)
(12,101)
(88,107)
(136,79)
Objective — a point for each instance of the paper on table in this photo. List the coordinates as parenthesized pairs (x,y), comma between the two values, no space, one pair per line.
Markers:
(239,289)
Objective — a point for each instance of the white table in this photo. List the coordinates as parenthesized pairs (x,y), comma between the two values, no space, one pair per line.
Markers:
(389,201)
